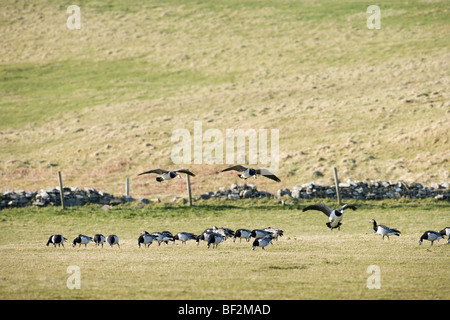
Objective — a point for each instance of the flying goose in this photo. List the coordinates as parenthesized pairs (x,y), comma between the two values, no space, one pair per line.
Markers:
(167,175)
(383,230)
(184,236)
(262,242)
(56,239)
(335,216)
(249,172)
(446,232)
(242,233)
(99,239)
(81,239)
(430,236)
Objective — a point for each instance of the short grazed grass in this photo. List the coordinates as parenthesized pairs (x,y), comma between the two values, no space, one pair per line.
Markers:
(309,262)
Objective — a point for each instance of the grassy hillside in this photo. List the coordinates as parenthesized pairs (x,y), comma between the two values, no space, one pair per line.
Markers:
(101,103)
(308,262)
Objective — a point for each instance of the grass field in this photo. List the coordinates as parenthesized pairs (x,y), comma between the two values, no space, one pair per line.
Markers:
(308,262)
(101,103)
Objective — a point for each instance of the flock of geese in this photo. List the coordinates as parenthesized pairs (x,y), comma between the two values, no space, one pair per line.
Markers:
(214,236)
(245,173)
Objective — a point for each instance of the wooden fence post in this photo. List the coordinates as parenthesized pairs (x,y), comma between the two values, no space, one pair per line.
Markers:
(127,189)
(188,182)
(336,182)
(61,190)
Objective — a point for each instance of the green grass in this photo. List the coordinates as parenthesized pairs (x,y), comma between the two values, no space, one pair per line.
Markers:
(309,262)
(100,104)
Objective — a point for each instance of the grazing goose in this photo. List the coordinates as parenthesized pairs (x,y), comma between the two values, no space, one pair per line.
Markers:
(99,239)
(211,237)
(112,239)
(383,230)
(56,239)
(164,236)
(249,172)
(167,175)
(335,216)
(446,232)
(430,236)
(81,239)
(146,239)
(205,235)
(260,233)
(262,242)
(225,232)
(215,239)
(275,232)
(184,236)
(242,233)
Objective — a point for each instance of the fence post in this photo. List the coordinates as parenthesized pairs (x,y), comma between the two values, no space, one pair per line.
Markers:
(127,189)
(336,182)
(61,190)
(188,182)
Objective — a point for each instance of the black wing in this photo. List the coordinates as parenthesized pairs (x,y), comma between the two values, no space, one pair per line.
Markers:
(158,171)
(320,207)
(345,206)
(185,171)
(236,167)
(266,173)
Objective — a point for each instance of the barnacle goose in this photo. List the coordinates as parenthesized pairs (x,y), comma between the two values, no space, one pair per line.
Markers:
(383,230)
(184,236)
(99,239)
(275,232)
(260,233)
(164,236)
(242,233)
(167,175)
(56,239)
(262,242)
(446,232)
(146,239)
(334,216)
(112,239)
(81,239)
(430,236)
(249,172)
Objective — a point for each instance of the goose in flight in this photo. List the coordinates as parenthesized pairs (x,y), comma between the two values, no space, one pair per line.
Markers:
(249,172)
(167,175)
(335,216)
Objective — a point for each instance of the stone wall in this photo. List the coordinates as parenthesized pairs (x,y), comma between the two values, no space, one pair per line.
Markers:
(372,190)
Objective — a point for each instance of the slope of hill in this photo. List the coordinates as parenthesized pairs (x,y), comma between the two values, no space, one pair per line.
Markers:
(101,103)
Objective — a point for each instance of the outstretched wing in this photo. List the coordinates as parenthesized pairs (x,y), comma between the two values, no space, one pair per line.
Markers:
(345,206)
(266,173)
(236,167)
(158,171)
(185,171)
(320,207)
